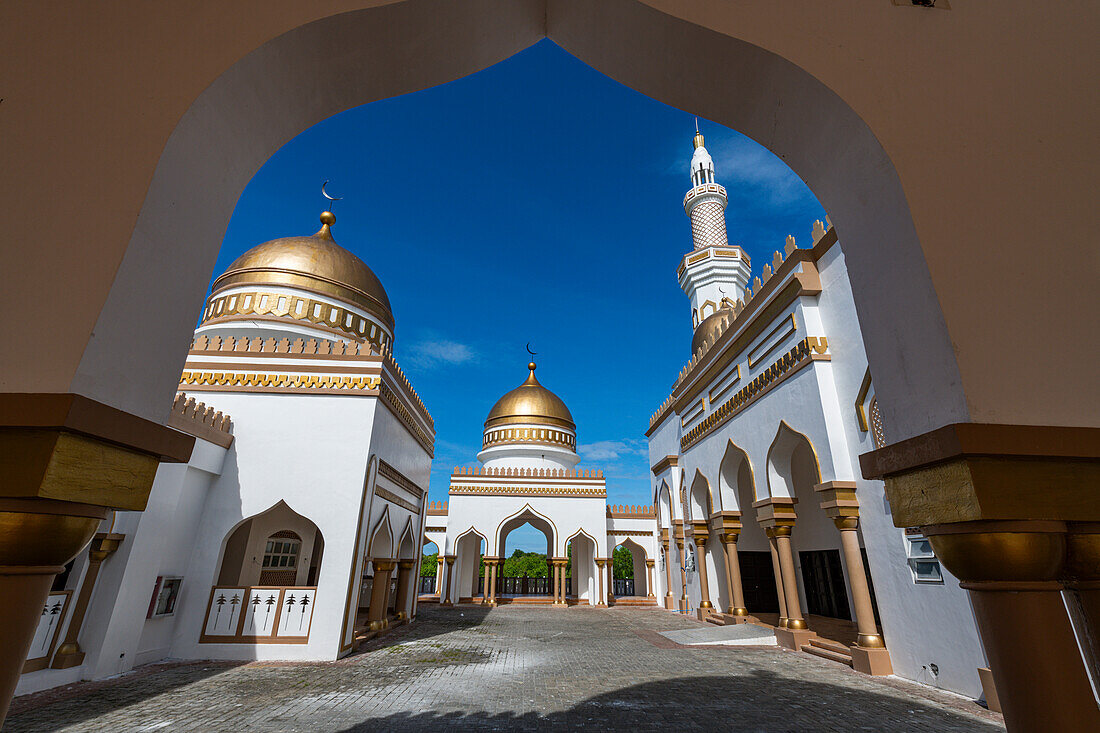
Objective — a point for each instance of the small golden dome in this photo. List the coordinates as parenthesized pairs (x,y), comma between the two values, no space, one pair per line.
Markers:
(530,403)
(697,141)
(710,329)
(313,263)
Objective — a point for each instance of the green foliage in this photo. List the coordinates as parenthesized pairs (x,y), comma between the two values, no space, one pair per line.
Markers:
(428,565)
(525,564)
(623,562)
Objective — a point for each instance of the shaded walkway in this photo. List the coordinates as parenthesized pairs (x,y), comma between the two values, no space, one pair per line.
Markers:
(513,668)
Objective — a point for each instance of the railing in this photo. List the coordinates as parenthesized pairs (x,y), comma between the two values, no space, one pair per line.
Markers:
(258,614)
(624,586)
(427,585)
(523,586)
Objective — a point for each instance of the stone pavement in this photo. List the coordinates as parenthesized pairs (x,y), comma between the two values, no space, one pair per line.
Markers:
(512,668)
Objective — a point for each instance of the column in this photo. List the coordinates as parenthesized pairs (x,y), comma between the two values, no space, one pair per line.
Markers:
(733,576)
(600,562)
(610,581)
(683,575)
(379,594)
(670,600)
(445,598)
(69,653)
(439,578)
(649,578)
(404,578)
(704,582)
(790,580)
(778,572)
(489,598)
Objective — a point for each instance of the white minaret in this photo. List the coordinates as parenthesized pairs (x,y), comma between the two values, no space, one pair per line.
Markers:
(714,275)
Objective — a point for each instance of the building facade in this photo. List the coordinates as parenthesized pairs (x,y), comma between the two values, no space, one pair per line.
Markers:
(761,507)
(295,529)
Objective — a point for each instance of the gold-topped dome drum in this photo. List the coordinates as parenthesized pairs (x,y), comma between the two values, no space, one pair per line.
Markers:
(308,279)
(531,425)
(711,328)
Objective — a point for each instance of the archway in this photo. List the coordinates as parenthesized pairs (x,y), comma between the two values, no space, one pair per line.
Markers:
(737,487)
(583,579)
(631,575)
(431,572)
(278,547)
(469,549)
(793,472)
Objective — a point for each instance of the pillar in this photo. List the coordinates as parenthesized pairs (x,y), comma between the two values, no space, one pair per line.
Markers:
(683,575)
(733,576)
(795,634)
(611,581)
(600,562)
(1012,571)
(704,582)
(404,578)
(69,653)
(489,597)
(778,572)
(1011,511)
(649,578)
(670,600)
(68,459)
(379,594)
(445,597)
(439,578)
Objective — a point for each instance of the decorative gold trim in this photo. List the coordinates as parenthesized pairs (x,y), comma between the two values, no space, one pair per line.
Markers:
(542,435)
(716,394)
(754,358)
(200,421)
(405,418)
(563,491)
(400,479)
(629,533)
(665,463)
(809,349)
(395,499)
(861,414)
(287,307)
(259,382)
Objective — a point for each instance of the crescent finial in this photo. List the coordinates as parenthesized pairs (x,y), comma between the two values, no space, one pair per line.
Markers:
(327,196)
(532,353)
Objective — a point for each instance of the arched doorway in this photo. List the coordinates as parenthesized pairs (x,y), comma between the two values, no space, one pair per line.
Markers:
(520,573)
(630,570)
(584,582)
(431,573)
(469,569)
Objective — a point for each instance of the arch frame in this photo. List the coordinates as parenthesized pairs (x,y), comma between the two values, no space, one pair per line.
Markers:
(783,425)
(552,539)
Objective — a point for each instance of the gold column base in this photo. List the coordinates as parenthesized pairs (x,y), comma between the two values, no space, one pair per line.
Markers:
(68,655)
(707,605)
(796,624)
(870,641)
(735,611)
(782,623)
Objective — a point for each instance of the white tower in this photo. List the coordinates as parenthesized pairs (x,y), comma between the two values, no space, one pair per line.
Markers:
(715,274)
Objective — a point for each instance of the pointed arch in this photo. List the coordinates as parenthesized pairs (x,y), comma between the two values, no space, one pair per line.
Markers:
(524,516)
(277,546)
(664,505)
(381,545)
(700,502)
(736,479)
(789,446)
(633,544)
(406,546)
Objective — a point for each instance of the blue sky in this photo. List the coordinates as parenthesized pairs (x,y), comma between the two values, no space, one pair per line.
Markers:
(535,201)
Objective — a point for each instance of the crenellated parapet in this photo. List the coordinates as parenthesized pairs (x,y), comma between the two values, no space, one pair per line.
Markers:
(585,473)
(625,511)
(197,419)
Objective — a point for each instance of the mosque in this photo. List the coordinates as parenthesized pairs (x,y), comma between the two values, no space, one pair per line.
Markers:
(295,529)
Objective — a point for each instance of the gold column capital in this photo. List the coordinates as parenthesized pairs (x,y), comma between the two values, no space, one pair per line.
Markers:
(650,563)
(384,565)
(843,523)
(779,531)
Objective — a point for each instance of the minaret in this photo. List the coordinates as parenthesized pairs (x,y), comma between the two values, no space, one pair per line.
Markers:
(714,275)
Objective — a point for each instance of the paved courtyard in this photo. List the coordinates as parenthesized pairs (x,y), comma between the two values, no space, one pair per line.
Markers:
(512,668)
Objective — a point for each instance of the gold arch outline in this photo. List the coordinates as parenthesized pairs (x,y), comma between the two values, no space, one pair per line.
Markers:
(752,475)
(527,506)
(385,518)
(633,542)
(768,460)
(581,533)
(709,508)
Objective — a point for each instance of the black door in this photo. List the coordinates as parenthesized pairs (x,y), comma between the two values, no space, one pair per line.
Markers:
(758,582)
(823,580)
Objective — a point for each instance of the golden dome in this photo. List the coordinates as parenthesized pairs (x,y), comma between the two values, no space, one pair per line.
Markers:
(530,403)
(711,328)
(314,263)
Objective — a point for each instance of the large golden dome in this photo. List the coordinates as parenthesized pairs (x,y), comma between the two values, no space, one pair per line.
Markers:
(313,263)
(711,328)
(530,403)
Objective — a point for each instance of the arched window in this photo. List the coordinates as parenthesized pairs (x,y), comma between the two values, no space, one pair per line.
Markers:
(280,564)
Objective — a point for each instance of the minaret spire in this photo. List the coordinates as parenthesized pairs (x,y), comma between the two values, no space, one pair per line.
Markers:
(719,279)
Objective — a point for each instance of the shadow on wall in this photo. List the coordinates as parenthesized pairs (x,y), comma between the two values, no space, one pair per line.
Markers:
(759,700)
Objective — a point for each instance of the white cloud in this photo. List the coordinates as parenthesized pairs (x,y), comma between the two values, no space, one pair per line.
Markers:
(432,353)
(610,450)
(741,162)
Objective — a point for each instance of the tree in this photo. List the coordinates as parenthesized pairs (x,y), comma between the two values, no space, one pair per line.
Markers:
(525,564)
(428,565)
(623,562)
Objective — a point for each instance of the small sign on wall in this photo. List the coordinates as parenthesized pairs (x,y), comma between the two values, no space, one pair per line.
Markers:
(46,633)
